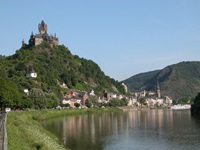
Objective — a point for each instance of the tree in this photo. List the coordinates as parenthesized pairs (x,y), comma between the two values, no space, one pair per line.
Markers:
(9,94)
(76,105)
(195,108)
(65,105)
(93,100)
(52,100)
(114,103)
(88,103)
(25,102)
(143,101)
(38,98)
(123,102)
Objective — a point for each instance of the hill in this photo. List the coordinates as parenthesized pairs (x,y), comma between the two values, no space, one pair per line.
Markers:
(137,81)
(177,81)
(55,66)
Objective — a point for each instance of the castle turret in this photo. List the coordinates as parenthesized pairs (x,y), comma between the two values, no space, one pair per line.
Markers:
(42,28)
(23,43)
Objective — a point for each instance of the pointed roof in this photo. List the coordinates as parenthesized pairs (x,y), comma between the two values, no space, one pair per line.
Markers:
(31,71)
(42,23)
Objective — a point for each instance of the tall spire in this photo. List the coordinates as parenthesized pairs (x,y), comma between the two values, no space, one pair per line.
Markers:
(158,89)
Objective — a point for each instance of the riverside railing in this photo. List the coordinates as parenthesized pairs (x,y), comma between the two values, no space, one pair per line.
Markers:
(5,140)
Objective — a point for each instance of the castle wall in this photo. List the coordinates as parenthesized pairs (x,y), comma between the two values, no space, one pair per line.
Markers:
(43,35)
(38,41)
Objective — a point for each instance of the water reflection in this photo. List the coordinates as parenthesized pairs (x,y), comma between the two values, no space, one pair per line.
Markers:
(152,129)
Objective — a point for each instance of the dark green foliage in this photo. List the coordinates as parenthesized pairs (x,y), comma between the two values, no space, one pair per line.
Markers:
(88,104)
(114,103)
(143,101)
(9,94)
(54,66)
(20,66)
(25,102)
(123,102)
(76,105)
(117,102)
(52,100)
(137,81)
(93,100)
(65,105)
(38,98)
(195,108)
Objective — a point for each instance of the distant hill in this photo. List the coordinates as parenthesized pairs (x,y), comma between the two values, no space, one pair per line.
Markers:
(177,81)
(137,81)
(55,66)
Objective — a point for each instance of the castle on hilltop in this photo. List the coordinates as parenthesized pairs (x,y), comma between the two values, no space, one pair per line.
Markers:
(42,36)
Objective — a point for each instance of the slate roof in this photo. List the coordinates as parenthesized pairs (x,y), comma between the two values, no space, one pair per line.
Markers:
(31,71)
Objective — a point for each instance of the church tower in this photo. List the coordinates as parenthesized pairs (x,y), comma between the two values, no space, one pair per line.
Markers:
(158,89)
(42,28)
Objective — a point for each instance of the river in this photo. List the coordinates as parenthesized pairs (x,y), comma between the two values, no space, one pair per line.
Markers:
(138,130)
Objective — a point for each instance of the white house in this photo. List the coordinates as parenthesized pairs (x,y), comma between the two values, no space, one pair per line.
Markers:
(113,95)
(31,74)
(132,101)
(64,101)
(91,93)
(151,102)
(168,101)
(26,91)
(160,101)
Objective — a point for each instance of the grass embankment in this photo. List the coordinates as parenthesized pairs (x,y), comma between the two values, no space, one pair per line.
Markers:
(25,131)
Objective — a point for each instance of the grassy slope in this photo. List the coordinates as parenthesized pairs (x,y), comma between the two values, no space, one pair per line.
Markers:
(25,131)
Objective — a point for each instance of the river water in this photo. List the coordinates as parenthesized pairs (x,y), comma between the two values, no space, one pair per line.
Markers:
(128,130)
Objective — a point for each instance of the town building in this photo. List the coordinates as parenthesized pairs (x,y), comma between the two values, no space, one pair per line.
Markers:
(31,74)
(72,97)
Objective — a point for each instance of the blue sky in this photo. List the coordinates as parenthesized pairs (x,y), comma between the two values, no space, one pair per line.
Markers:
(124,37)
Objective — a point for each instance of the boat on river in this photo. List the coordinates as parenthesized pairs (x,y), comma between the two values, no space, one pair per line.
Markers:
(179,106)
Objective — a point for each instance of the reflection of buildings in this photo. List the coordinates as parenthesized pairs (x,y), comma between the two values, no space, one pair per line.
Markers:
(130,127)
(134,125)
(90,128)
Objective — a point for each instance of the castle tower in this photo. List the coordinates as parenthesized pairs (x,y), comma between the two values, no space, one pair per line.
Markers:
(23,43)
(158,89)
(42,28)
(42,35)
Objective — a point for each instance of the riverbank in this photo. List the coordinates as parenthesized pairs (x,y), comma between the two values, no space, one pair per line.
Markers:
(138,108)
(25,131)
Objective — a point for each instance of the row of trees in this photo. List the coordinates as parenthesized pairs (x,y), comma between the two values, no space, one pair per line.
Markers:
(11,97)
(36,98)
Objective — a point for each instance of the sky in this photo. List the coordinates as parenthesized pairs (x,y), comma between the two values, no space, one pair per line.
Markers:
(124,37)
